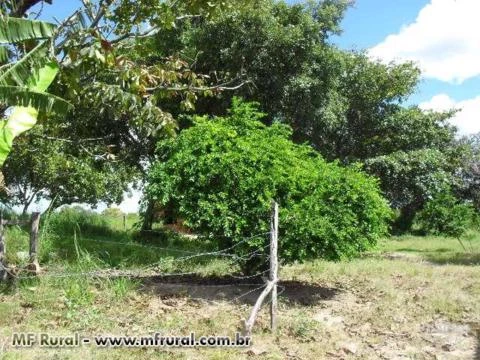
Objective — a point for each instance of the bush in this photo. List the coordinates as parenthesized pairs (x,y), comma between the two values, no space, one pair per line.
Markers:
(220,176)
(446,215)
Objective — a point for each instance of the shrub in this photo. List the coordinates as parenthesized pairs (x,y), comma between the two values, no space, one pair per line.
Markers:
(446,215)
(220,176)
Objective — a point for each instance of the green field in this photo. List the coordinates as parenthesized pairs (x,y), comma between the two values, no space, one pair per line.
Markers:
(412,297)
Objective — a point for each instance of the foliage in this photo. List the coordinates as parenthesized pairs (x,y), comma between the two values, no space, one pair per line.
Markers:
(24,81)
(221,175)
(445,215)
(409,179)
(347,106)
(468,171)
(343,103)
(95,52)
(62,172)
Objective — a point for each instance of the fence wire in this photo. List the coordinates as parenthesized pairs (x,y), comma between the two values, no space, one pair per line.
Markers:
(151,270)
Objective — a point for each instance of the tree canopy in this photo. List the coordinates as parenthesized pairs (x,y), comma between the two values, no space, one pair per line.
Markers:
(135,72)
(221,175)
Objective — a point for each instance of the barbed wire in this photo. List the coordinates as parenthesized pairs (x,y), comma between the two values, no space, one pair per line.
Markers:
(249,292)
(151,267)
(138,245)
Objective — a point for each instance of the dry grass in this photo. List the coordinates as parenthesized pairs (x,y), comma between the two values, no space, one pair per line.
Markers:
(413,298)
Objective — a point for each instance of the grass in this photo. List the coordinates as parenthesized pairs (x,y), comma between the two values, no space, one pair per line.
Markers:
(415,297)
(438,250)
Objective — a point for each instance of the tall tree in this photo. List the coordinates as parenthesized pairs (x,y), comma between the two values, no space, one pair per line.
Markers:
(95,49)
(341,102)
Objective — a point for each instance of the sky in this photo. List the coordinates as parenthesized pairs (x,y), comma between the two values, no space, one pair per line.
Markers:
(440,36)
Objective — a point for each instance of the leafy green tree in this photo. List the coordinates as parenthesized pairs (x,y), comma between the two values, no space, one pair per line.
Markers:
(117,115)
(409,179)
(221,175)
(445,215)
(345,105)
(468,170)
(62,172)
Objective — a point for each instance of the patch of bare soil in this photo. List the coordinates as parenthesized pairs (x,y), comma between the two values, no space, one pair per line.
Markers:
(402,256)
(336,312)
(214,289)
(438,339)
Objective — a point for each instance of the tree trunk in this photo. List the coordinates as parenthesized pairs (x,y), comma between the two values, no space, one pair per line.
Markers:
(26,205)
(405,221)
(148,216)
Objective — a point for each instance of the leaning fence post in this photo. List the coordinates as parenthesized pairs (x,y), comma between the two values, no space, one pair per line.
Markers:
(274,264)
(3,261)
(34,266)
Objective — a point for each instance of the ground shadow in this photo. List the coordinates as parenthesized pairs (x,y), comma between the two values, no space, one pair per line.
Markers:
(239,291)
(413,250)
(454,259)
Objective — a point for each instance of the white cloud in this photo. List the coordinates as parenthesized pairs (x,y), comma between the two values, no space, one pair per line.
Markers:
(467,120)
(443,40)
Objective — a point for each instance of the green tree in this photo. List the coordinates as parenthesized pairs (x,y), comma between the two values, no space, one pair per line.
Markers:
(115,94)
(62,172)
(345,105)
(446,215)
(468,171)
(409,179)
(221,175)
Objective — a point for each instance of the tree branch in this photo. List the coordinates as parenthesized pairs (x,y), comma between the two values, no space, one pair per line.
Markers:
(23,6)
(220,87)
(149,31)
(102,7)
(73,141)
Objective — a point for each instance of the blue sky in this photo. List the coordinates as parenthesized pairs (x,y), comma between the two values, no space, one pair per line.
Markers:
(441,36)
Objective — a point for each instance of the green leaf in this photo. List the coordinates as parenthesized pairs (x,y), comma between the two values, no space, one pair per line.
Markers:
(3,54)
(43,77)
(21,120)
(19,96)
(6,140)
(13,30)
(20,72)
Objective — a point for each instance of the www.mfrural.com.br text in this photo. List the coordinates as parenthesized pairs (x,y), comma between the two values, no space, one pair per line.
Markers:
(158,340)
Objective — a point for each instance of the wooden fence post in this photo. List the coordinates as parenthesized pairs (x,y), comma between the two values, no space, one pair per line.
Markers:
(124,222)
(3,260)
(271,286)
(34,266)
(274,264)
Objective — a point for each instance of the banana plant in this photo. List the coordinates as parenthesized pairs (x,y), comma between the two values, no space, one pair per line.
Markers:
(24,82)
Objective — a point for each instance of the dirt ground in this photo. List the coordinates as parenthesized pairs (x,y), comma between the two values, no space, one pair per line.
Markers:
(388,305)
